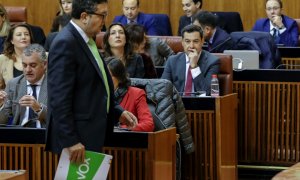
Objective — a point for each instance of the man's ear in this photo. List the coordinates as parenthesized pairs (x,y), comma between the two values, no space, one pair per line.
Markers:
(84,17)
(198,4)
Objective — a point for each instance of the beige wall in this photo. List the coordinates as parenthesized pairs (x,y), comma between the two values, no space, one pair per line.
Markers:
(42,12)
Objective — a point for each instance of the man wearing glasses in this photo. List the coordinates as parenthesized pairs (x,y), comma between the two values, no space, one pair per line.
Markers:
(82,107)
(283,29)
(131,15)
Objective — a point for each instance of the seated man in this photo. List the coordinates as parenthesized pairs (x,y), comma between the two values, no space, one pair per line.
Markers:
(190,8)
(217,39)
(282,28)
(132,15)
(19,102)
(191,71)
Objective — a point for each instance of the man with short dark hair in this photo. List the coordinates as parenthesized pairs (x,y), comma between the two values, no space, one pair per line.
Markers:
(191,70)
(131,14)
(82,108)
(217,39)
(190,8)
(24,101)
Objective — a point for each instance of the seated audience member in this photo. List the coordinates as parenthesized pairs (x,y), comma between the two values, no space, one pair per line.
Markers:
(131,14)
(24,101)
(191,70)
(18,38)
(157,49)
(217,39)
(282,28)
(130,98)
(62,20)
(4,26)
(116,43)
(65,7)
(190,8)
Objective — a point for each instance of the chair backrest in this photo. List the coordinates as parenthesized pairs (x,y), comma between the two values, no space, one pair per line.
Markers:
(298,23)
(16,14)
(163,24)
(173,41)
(230,21)
(225,75)
(263,42)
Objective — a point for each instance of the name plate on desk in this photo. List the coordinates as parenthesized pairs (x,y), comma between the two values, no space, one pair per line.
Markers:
(199,103)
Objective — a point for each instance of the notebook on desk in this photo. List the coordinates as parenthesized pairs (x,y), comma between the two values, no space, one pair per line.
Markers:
(244,59)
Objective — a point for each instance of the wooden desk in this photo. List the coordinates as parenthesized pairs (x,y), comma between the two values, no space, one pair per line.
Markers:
(135,155)
(214,128)
(268,117)
(290,56)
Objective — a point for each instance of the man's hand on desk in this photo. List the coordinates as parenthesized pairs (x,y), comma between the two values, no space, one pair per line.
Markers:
(77,153)
(128,119)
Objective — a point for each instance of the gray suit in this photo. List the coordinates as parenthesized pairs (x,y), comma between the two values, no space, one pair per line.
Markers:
(159,51)
(175,70)
(16,89)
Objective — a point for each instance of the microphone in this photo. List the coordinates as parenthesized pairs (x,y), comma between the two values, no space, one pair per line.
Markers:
(290,65)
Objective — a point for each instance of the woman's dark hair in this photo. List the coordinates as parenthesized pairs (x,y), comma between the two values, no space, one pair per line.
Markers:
(9,49)
(61,20)
(117,69)
(128,50)
(137,34)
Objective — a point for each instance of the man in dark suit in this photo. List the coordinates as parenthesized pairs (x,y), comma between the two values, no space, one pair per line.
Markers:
(131,14)
(282,28)
(24,101)
(82,107)
(191,70)
(190,8)
(217,39)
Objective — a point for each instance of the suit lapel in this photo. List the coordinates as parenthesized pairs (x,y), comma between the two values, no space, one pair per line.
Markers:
(202,62)
(182,70)
(43,91)
(21,89)
(86,50)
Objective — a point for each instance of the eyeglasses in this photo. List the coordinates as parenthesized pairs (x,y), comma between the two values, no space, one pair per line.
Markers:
(100,15)
(273,8)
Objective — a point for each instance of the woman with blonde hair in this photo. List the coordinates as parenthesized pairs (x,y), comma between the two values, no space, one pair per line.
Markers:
(4,26)
(18,38)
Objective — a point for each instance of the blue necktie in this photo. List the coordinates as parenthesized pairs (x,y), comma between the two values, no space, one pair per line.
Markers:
(276,35)
(32,115)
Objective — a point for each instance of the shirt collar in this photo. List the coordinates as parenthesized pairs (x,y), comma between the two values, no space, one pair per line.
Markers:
(272,26)
(39,83)
(81,32)
(212,37)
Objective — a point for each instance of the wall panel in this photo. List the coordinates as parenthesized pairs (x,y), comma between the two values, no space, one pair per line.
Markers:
(42,12)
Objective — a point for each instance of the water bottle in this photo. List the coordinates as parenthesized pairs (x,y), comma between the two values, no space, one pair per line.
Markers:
(214,86)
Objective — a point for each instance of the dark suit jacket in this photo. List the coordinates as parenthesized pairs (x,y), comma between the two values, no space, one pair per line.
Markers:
(221,41)
(175,71)
(16,89)
(147,20)
(38,34)
(289,37)
(77,95)
(49,40)
(183,21)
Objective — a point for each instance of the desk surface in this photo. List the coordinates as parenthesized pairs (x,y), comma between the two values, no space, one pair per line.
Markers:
(271,75)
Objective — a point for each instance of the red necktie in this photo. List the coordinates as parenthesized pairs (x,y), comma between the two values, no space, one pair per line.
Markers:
(189,82)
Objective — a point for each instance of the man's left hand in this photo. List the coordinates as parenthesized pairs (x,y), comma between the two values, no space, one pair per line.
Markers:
(128,119)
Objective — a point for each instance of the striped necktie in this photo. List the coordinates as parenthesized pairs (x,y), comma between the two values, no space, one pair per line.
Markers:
(94,49)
